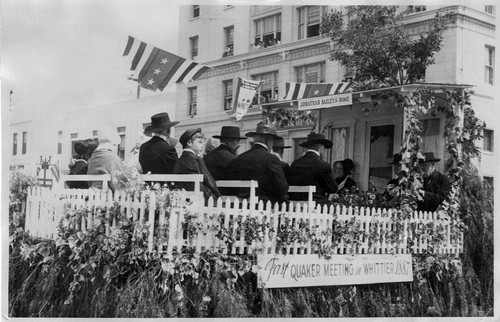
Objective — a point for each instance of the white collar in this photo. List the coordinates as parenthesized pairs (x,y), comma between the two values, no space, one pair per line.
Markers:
(260,143)
(277,154)
(309,150)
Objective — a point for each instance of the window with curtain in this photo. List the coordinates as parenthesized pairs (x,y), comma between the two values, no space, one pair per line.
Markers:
(25,142)
(267,88)
(488,140)
(192,92)
(14,144)
(59,141)
(194,47)
(489,75)
(228,94)
(268,30)
(196,11)
(312,73)
(309,20)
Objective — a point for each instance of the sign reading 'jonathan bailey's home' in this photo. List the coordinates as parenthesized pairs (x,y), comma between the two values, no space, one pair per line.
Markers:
(324,101)
(312,270)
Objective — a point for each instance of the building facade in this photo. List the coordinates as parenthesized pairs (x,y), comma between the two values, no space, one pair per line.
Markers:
(279,44)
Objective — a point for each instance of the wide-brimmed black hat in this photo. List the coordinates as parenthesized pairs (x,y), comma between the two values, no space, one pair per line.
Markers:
(230,132)
(396,158)
(280,143)
(315,138)
(264,130)
(429,157)
(188,134)
(348,165)
(159,123)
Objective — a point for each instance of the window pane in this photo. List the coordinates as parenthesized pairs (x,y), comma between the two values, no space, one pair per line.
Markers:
(25,140)
(313,15)
(14,144)
(488,140)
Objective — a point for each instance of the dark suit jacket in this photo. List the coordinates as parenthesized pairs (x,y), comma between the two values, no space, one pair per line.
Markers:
(310,170)
(217,161)
(157,156)
(436,187)
(260,165)
(80,167)
(188,163)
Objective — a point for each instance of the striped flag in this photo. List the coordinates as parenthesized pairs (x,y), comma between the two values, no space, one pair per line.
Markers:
(54,168)
(155,68)
(296,91)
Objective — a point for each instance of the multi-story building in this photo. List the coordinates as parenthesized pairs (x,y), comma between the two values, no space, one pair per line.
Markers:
(279,44)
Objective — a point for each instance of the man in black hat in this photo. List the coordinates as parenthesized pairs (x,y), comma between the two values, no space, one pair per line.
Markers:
(436,185)
(218,159)
(310,170)
(260,165)
(158,155)
(278,149)
(190,162)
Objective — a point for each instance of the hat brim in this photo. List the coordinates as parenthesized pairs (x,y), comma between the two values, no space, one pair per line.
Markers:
(429,160)
(326,143)
(229,137)
(151,129)
(252,134)
(282,147)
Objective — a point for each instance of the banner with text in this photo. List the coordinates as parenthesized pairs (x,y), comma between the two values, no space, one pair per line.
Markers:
(324,101)
(245,91)
(312,270)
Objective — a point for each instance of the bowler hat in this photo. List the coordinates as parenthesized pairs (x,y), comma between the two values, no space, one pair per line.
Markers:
(264,130)
(188,134)
(396,158)
(315,138)
(230,132)
(280,143)
(159,123)
(429,157)
(81,147)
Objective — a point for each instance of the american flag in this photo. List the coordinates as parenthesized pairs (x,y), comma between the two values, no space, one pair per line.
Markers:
(295,91)
(155,68)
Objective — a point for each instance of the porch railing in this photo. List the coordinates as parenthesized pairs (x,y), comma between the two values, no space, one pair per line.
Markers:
(225,225)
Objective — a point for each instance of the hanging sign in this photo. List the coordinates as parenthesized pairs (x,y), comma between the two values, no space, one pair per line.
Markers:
(324,101)
(312,270)
(245,91)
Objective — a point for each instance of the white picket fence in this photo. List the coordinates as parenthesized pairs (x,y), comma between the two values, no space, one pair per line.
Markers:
(226,224)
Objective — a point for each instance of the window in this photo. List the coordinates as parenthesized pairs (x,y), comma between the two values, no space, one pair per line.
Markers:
(268,89)
(25,142)
(192,92)
(489,9)
(416,8)
(59,142)
(94,133)
(14,144)
(313,73)
(488,140)
(196,11)
(309,20)
(74,136)
(194,47)
(229,38)
(268,30)
(228,94)
(489,67)
(121,146)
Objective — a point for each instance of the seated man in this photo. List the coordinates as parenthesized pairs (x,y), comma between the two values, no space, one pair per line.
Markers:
(311,170)
(436,185)
(260,165)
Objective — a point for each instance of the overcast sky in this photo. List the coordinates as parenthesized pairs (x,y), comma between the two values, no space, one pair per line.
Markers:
(67,54)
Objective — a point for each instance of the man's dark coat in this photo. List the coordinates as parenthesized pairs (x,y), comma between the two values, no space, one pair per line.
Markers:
(188,163)
(310,170)
(217,161)
(436,187)
(157,156)
(260,165)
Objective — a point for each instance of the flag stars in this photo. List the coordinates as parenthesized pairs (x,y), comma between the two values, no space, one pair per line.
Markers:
(316,92)
(150,82)
(164,60)
(157,71)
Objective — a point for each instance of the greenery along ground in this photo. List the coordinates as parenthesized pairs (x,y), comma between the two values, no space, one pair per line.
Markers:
(91,275)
